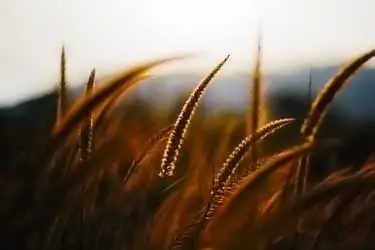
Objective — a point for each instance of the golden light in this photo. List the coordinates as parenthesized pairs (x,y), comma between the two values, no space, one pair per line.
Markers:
(208,26)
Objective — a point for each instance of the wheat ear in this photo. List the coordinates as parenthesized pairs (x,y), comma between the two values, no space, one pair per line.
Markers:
(319,108)
(87,131)
(176,137)
(236,156)
(86,105)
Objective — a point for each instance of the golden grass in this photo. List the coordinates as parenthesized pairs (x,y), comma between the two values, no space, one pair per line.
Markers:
(63,98)
(106,192)
(87,131)
(181,125)
(319,107)
(256,103)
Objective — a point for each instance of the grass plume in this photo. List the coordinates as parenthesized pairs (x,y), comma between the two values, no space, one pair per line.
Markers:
(176,137)
(87,131)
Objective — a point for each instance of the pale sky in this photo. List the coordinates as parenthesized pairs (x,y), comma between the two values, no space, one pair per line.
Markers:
(112,34)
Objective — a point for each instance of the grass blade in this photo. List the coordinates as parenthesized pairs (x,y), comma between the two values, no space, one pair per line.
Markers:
(85,105)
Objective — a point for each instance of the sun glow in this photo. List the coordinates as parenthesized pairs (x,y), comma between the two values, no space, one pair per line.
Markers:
(213,27)
(112,34)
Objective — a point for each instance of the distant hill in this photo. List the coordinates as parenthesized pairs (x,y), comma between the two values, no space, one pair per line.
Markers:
(356,100)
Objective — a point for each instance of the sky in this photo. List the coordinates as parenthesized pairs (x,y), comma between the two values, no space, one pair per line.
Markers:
(114,34)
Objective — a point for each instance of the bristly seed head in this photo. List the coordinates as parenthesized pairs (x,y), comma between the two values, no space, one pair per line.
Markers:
(230,165)
(177,135)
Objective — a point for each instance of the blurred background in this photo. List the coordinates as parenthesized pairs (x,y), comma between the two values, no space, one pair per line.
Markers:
(301,40)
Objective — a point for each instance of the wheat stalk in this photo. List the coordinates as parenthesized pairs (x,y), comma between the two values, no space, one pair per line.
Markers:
(319,108)
(255,107)
(176,137)
(63,88)
(249,182)
(232,162)
(110,105)
(87,131)
(321,192)
(161,136)
(86,105)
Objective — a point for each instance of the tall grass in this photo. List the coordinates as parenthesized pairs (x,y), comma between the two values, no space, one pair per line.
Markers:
(109,187)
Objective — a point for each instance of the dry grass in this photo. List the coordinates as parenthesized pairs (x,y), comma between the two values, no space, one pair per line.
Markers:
(111,187)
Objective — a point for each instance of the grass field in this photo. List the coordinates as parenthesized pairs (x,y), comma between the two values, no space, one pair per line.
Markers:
(180,178)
